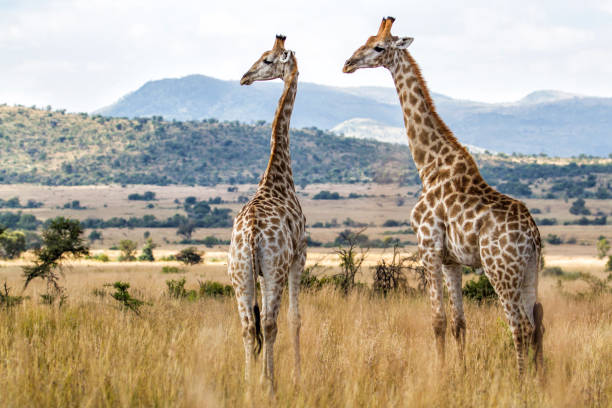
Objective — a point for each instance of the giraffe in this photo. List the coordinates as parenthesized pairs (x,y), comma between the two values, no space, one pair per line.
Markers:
(268,238)
(458,218)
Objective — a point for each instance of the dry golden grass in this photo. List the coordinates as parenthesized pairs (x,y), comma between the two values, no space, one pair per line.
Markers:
(359,350)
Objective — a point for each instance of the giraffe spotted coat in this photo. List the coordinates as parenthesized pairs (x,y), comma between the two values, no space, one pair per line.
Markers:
(268,238)
(459,219)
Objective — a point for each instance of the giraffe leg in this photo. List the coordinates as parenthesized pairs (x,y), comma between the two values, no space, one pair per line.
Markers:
(510,300)
(272,292)
(453,277)
(244,297)
(295,275)
(436,295)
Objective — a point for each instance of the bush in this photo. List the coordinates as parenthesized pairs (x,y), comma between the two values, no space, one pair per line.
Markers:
(603,246)
(389,277)
(176,290)
(128,250)
(609,264)
(172,269)
(190,256)
(147,251)
(99,257)
(553,239)
(94,236)
(546,221)
(125,298)
(12,244)
(61,238)
(480,290)
(147,196)
(211,288)
(553,271)
(7,300)
(578,208)
(326,195)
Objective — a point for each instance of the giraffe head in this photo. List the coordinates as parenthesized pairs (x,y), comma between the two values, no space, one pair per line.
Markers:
(276,63)
(379,50)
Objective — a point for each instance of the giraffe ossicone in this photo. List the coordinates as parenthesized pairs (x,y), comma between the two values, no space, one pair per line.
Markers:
(459,219)
(268,238)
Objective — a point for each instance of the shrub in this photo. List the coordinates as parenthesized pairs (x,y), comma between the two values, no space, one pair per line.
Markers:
(392,223)
(326,195)
(147,196)
(125,298)
(95,236)
(147,251)
(99,257)
(211,288)
(609,264)
(578,208)
(128,250)
(603,246)
(350,262)
(12,244)
(553,271)
(61,238)
(171,269)
(389,277)
(479,290)
(190,256)
(7,300)
(553,239)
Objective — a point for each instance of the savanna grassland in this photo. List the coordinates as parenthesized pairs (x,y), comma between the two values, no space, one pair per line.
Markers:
(357,350)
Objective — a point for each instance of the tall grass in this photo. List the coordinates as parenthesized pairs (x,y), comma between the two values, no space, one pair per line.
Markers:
(357,350)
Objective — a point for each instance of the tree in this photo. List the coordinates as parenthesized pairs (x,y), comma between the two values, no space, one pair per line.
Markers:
(603,246)
(61,239)
(186,228)
(95,236)
(190,256)
(147,251)
(12,244)
(578,208)
(128,250)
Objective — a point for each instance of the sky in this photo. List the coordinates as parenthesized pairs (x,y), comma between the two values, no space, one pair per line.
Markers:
(82,55)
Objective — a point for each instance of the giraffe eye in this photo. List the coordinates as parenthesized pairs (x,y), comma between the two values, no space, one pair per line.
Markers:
(267,62)
(378,49)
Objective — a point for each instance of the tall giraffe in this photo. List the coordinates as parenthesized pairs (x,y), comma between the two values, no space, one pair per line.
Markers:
(268,238)
(459,219)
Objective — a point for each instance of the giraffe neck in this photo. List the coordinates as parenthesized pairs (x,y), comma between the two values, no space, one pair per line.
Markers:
(434,148)
(279,165)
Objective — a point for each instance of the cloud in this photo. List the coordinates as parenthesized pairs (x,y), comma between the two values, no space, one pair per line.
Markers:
(84,54)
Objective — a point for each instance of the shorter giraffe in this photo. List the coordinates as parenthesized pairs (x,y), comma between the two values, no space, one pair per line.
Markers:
(268,238)
(459,219)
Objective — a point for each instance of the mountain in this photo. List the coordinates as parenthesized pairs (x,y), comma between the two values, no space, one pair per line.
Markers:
(362,128)
(551,122)
(58,148)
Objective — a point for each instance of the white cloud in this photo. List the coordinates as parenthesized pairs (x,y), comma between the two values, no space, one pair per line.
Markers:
(83,54)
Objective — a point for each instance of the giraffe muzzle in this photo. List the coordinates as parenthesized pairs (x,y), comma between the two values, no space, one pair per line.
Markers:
(349,67)
(246,79)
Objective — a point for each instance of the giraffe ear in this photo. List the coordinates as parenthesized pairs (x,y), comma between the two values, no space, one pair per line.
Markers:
(285,56)
(403,42)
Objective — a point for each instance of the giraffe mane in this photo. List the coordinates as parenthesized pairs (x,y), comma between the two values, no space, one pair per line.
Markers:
(445,130)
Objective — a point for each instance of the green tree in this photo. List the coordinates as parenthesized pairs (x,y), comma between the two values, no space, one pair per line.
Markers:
(61,239)
(95,236)
(147,251)
(128,250)
(12,244)
(603,246)
(578,208)
(190,256)
(186,229)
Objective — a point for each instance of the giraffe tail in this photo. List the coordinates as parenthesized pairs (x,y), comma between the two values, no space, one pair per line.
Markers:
(256,315)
